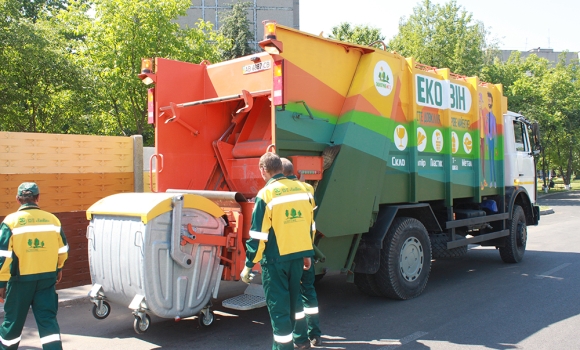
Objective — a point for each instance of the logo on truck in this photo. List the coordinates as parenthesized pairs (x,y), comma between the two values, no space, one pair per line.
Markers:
(383,77)
(441,94)
(400,137)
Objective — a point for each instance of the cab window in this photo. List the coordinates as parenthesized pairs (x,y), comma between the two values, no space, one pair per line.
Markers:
(521,139)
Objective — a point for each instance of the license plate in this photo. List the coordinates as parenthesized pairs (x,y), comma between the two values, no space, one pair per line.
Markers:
(256,67)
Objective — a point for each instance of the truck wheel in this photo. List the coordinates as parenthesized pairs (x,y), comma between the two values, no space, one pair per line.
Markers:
(515,244)
(439,248)
(405,260)
(366,284)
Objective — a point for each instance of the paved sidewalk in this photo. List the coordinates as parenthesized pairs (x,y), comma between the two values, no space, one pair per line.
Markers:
(66,296)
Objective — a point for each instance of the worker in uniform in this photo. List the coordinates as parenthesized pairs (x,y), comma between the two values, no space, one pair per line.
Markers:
(312,332)
(33,250)
(280,240)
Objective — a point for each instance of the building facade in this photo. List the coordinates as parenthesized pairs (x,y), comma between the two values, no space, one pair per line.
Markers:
(549,54)
(285,12)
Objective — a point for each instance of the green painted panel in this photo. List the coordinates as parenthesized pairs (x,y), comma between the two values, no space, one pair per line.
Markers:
(299,127)
(336,250)
(347,194)
(395,188)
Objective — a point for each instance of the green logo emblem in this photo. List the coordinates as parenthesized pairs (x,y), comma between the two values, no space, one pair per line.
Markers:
(384,77)
(277,191)
(293,214)
(36,244)
(22,221)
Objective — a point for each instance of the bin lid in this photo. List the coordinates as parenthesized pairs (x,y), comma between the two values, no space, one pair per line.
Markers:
(149,205)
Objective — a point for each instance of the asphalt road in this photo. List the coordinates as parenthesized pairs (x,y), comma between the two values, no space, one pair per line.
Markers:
(476,302)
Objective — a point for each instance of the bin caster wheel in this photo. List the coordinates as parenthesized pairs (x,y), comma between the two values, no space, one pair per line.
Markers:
(141,325)
(100,313)
(205,319)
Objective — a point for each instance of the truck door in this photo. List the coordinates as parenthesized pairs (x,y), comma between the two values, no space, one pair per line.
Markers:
(524,158)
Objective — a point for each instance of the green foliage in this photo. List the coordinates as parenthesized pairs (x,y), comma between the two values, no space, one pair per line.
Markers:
(443,36)
(110,47)
(359,34)
(235,27)
(39,79)
(34,9)
(549,95)
(71,67)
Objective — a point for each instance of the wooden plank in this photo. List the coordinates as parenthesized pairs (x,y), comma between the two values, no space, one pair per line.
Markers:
(64,192)
(35,153)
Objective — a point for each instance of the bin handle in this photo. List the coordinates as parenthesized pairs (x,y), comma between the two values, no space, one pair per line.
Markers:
(91,236)
(159,169)
(177,255)
(139,240)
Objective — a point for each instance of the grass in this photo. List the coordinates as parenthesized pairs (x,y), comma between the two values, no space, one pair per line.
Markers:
(559,186)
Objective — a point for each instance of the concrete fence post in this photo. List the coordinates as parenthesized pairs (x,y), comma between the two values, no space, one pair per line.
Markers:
(138,163)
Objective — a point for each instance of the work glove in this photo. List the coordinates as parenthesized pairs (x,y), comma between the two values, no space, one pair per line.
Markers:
(247,274)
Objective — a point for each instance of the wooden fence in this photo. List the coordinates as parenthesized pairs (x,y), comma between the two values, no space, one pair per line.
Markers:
(72,173)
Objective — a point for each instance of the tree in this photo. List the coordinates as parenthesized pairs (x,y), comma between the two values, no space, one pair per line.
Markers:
(359,34)
(549,95)
(39,79)
(235,26)
(111,44)
(443,36)
(34,9)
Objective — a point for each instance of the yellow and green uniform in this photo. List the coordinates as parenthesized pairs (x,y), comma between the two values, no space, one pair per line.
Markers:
(33,249)
(311,329)
(280,237)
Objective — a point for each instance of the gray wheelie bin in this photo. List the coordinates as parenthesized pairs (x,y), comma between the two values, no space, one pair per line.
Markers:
(139,259)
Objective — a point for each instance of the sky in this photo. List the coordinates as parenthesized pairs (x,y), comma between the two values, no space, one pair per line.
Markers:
(517,24)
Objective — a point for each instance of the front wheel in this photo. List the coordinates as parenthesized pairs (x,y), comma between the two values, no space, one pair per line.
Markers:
(515,243)
(141,325)
(206,319)
(100,313)
(405,260)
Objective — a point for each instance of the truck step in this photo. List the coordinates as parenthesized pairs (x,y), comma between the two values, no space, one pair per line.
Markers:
(252,298)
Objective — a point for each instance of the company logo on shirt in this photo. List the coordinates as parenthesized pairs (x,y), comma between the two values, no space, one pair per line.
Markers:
(293,215)
(21,221)
(35,245)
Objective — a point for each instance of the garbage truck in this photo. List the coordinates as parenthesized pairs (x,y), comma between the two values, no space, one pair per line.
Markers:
(410,163)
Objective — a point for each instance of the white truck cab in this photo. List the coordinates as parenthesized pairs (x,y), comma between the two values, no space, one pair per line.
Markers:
(520,146)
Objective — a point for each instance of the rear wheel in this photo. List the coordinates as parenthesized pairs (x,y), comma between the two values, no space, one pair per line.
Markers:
(515,244)
(405,260)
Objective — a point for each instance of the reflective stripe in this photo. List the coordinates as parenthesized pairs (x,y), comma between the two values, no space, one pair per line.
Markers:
(259,235)
(35,228)
(289,198)
(283,338)
(5,253)
(311,310)
(50,338)
(313,227)
(62,250)
(10,342)
(299,315)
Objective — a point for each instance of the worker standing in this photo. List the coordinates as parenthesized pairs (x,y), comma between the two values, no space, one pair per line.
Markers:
(280,240)
(33,250)
(308,293)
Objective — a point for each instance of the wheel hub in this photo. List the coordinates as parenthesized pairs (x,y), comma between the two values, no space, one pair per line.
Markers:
(411,259)
(522,234)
